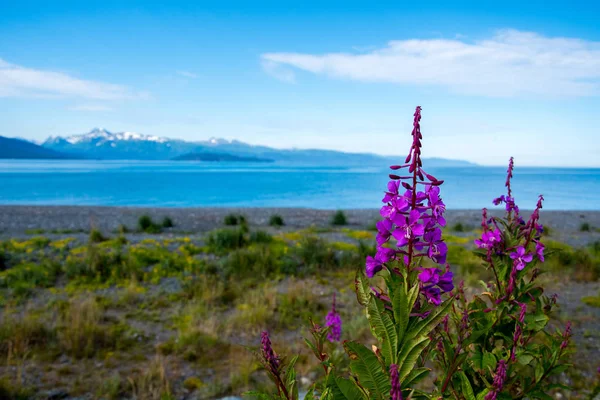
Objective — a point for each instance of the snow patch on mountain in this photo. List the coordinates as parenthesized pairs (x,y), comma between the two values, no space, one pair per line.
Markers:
(102,135)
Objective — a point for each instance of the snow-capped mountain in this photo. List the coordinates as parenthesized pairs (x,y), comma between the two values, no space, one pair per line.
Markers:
(98,135)
(103,144)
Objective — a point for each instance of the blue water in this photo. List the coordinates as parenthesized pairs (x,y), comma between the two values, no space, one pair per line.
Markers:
(187,184)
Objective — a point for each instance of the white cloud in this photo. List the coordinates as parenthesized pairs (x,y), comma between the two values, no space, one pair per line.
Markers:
(18,81)
(278,71)
(511,63)
(187,74)
(90,107)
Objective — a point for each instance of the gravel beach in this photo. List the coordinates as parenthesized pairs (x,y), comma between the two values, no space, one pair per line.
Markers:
(16,220)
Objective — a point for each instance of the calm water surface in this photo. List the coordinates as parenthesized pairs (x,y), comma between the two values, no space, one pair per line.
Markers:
(187,184)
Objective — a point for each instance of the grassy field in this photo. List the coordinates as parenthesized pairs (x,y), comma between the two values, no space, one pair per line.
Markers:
(152,313)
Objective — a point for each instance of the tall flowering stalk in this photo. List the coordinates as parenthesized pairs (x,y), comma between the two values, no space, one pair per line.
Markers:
(506,332)
(493,345)
(413,215)
(334,322)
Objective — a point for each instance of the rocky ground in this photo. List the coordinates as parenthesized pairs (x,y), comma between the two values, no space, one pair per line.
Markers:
(17,220)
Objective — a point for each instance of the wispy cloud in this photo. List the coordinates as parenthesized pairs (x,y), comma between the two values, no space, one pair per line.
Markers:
(511,63)
(19,81)
(90,107)
(187,74)
(278,70)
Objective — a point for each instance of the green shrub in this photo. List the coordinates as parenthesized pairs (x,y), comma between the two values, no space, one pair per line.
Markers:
(167,222)
(583,264)
(276,220)
(3,260)
(147,225)
(231,220)
(83,331)
(22,332)
(223,240)
(339,218)
(592,301)
(39,242)
(122,229)
(585,227)
(458,227)
(261,237)
(96,236)
(42,274)
(256,262)
(97,264)
(314,252)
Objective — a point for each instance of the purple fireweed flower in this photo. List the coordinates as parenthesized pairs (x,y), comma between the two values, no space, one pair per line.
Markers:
(520,258)
(539,251)
(374,265)
(408,228)
(432,277)
(413,218)
(396,390)
(499,380)
(437,205)
(437,249)
(271,359)
(334,321)
(392,191)
(385,254)
(498,200)
(489,239)
(384,228)
(395,207)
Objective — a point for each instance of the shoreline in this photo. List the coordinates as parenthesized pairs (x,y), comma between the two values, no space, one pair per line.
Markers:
(17,220)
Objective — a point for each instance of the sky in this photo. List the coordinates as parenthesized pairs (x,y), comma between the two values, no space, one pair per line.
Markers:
(494,79)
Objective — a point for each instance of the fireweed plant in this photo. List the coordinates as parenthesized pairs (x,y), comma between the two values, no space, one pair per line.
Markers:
(494,345)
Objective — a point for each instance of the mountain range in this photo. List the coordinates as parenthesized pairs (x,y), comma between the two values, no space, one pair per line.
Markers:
(105,145)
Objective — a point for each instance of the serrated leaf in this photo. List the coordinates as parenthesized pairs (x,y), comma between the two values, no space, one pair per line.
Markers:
(409,355)
(415,376)
(383,328)
(466,388)
(344,389)
(363,293)
(426,325)
(403,303)
(481,395)
(368,370)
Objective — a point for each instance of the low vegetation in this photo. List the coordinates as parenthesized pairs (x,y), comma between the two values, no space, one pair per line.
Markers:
(339,218)
(119,317)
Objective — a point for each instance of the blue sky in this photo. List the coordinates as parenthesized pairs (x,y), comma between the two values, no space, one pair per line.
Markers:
(522,79)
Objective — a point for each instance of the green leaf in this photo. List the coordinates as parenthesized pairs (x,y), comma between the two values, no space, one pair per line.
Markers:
(481,395)
(363,293)
(466,388)
(483,361)
(383,328)
(403,302)
(409,355)
(344,389)
(368,370)
(259,395)
(415,376)
(536,322)
(426,325)
(538,394)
